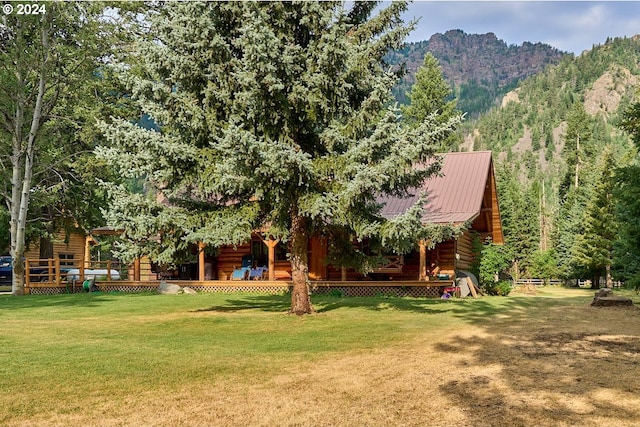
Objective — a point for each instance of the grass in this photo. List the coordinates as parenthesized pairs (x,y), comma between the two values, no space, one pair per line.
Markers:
(215,359)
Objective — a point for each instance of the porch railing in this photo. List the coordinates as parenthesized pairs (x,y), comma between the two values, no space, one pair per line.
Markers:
(394,265)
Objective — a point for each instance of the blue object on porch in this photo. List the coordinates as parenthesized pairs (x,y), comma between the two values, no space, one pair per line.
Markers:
(240,273)
(247,261)
(256,273)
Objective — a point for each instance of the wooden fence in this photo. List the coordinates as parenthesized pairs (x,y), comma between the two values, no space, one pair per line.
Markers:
(603,283)
(538,282)
(557,282)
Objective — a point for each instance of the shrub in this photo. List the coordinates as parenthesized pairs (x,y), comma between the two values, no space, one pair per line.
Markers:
(494,261)
(336,293)
(501,288)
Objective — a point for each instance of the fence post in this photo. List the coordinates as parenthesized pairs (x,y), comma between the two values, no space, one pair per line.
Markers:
(108,270)
(27,277)
(58,273)
(50,271)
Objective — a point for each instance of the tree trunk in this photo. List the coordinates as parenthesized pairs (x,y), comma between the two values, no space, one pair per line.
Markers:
(300,300)
(23,172)
(608,276)
(46,248)
(17,242)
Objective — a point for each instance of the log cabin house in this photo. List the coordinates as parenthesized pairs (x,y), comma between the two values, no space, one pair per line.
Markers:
(73,252)
(465,193)
(67,249)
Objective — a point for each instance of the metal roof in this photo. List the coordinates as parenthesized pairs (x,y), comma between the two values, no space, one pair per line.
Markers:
(453,197)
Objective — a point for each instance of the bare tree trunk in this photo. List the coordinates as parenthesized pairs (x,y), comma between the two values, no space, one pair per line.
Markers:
(300,300)
(608,276)
(23,172)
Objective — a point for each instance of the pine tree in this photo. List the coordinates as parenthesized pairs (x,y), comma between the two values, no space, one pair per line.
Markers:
(273,116)
(520,217)
(627,195)
(577,145)
(593,248)
(430,94)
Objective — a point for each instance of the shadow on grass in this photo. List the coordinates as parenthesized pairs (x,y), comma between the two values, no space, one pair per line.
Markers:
(471,310)
(324,304)
(556,357)
(266,303)
(93,299)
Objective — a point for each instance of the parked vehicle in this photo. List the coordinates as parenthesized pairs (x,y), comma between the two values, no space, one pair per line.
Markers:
(73,275)
(5,270)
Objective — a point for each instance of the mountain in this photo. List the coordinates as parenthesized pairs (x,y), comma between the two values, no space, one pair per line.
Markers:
(480,68)
(531,119)
(556,139)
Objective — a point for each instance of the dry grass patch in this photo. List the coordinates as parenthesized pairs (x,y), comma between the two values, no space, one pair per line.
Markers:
(543,360)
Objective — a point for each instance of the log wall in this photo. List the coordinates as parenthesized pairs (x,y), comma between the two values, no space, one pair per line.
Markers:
(465,251)
(75,247)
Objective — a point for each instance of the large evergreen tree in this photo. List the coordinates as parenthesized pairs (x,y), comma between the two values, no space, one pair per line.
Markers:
(568,226)
(430,93)
(519,210)
(627,194)
(593,249)
(578,146)
(273,116)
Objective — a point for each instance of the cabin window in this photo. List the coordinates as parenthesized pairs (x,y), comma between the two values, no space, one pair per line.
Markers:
(260,252)
(66,260)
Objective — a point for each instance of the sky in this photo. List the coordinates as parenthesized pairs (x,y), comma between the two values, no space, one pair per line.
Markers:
(570,26)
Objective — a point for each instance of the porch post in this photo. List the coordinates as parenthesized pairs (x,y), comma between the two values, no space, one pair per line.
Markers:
(136,269)
(201,261)
(271,245)
(27,277)
(87,247)
(422,275)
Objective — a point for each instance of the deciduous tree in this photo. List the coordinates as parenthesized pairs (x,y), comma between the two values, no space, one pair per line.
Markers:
(49,81)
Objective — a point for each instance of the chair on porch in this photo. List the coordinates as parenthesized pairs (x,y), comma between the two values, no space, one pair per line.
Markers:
(244,271)
(257,273)
(241,273)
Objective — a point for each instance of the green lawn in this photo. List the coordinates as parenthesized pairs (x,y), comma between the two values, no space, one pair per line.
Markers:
(61,353)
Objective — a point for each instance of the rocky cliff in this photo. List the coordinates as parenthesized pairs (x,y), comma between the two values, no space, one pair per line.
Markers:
(479,67)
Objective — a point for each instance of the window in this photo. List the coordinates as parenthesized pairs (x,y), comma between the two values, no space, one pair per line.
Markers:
(66,260)
(260,252)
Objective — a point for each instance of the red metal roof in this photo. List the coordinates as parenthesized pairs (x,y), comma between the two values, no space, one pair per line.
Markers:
(453,197)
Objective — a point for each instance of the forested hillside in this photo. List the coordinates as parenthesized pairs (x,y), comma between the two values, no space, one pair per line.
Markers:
(480,68)
(558,146)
